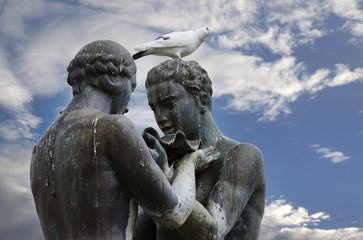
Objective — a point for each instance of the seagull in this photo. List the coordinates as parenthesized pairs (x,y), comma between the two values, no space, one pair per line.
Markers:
(174,45)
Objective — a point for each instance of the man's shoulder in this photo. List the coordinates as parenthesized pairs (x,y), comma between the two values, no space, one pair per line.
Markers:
(101,122)
(245,161)
(114,121)
(246,155)
(116,127)
(248,149)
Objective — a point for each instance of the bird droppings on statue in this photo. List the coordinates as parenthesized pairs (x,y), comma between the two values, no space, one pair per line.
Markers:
(174,45)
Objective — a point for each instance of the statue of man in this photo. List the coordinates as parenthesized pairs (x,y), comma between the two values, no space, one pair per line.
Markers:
(230,193)
(91,165)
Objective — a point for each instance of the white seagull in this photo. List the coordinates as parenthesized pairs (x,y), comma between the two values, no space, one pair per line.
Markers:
(174,45)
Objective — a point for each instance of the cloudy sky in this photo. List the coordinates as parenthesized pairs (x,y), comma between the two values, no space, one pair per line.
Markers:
(287,76)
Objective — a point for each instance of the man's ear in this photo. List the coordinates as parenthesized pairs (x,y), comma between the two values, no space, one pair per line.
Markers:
(204,102)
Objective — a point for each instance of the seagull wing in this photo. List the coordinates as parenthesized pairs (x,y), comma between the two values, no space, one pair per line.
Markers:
(170,40)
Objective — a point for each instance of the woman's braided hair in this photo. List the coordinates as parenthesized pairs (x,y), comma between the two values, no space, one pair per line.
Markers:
(100,64)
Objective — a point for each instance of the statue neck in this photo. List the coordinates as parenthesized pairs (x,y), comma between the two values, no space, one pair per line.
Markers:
(91,99)
(209,131)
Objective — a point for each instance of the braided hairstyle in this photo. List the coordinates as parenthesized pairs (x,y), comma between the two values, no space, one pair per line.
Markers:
(189,74)
(101,64)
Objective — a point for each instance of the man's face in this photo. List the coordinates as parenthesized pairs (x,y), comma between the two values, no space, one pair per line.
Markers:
(175,108)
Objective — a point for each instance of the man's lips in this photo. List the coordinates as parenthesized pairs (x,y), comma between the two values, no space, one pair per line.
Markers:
(167,129)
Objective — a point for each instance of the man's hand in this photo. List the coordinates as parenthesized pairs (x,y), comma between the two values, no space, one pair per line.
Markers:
(203,157)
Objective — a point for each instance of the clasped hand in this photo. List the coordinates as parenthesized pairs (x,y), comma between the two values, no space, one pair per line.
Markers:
(201,157)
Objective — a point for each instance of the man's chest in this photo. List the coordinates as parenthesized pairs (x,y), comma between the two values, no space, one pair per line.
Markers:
(205,182)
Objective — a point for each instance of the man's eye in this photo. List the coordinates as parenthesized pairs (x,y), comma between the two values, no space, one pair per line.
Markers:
(171,103)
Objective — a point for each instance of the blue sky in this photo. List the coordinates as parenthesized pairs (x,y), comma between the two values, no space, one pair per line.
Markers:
(287,76)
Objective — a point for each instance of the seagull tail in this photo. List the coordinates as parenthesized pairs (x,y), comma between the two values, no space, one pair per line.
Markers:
(139,54)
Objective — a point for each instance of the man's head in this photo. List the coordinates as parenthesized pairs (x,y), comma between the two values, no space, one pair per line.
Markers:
(179,93)
(189,74)
(103,64)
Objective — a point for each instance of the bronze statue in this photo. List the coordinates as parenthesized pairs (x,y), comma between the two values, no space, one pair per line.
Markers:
(230,193)
(91,167)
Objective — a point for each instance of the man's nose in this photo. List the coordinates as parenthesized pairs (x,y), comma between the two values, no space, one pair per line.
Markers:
(161,118)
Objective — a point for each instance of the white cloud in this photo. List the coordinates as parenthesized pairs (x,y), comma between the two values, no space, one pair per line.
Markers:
(351,12)
(268,88)
(251,83)
(284,221)
(14,14)
(351,233)
(12,93)
(17,206)
(284,25)
(15,98)
(280,26)
(280,213)
(19,126)
(333,156)
(280,41)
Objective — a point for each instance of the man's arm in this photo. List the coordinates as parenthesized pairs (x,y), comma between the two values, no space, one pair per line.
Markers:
(167,204)
(241,176)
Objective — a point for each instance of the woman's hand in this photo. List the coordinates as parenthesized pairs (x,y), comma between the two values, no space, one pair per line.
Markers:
(205,157)
(158,154)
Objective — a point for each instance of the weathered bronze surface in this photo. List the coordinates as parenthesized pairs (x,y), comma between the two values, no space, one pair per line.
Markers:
(92,166)
(230,193)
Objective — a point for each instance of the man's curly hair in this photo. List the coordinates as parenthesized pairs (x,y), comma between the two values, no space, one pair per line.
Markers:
(100,64)
(189,74)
